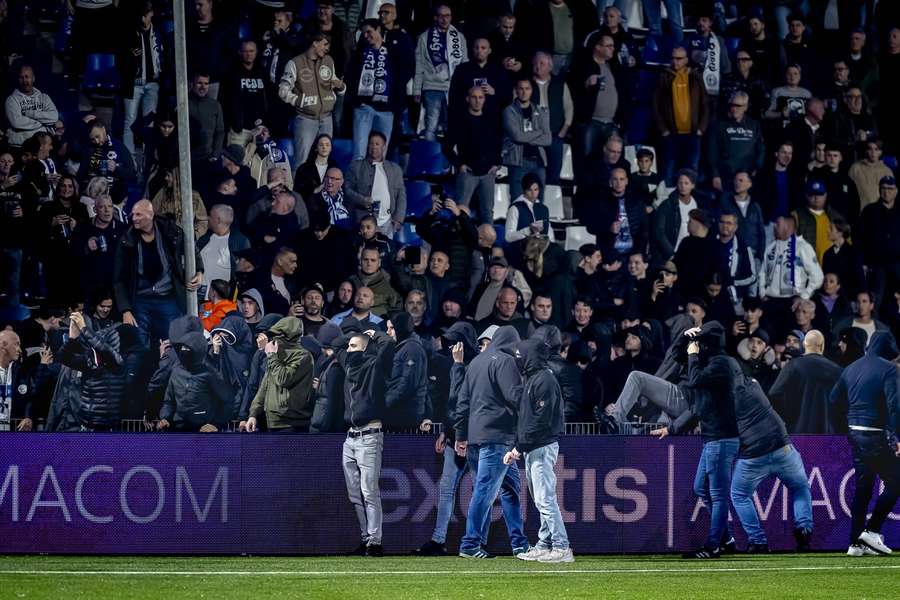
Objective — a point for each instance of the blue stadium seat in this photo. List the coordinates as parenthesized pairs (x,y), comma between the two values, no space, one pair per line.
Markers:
(244,30)
(407,235)
(500,230)
(418,198)
(63,35)
(732,44)
(11,314)
(100,74)
(287,146)
(890,161)
(168,27)
(425,159)
(342,152)
(657,50)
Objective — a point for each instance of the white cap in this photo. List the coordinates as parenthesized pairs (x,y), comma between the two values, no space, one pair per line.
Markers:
(488,333)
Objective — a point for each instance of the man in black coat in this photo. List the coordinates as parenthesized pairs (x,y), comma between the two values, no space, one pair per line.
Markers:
(618,218)
(15,403)
(407,388)
(576,407)
(800,392)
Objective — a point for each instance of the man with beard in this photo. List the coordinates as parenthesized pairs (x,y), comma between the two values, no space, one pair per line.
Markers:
(313,298)
(361,311)
(757,359)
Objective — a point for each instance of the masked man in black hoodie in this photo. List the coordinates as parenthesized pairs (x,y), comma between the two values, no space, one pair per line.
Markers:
(407,388)
(367,366)
(486,411)
(540,424)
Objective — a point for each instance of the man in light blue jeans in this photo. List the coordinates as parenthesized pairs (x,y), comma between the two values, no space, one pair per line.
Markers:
(541,423)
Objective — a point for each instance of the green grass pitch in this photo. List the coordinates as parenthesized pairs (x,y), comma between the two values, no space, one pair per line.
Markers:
(597,577)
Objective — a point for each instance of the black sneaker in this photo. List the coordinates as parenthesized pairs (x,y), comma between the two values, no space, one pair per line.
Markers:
(521,550)
(431,548)
(757,548)
(803,537)
(478,553)
(359,551)
(703,553)
(728,547)
(375,551)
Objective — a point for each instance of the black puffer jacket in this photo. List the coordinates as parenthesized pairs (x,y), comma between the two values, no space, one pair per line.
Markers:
(488,402)
(196,395)
(540,419)
(568,375)
(103,379)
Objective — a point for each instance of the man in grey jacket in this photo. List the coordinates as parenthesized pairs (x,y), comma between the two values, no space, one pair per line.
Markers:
(374,185)
(440,49)
(526,136)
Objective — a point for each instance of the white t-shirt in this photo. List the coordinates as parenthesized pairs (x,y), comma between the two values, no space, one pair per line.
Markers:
(216,259)
(282,289)
(381,194)
(869,328)
(6,392)
(321,169)
(685,210)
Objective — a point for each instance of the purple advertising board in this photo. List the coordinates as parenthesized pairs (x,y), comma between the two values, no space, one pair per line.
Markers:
(278,494)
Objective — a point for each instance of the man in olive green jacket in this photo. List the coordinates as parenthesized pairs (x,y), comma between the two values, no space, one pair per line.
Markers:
(284,393)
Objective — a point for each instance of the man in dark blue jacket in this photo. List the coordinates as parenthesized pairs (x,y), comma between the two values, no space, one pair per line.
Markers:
(486,412)
(713,407)
(540,425)
(407,387)
(867,393)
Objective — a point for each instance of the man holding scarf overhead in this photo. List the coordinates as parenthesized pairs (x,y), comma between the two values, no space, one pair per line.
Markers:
(440,50)
(376,87)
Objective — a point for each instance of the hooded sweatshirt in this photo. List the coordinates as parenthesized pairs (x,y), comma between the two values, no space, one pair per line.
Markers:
(28,115)
(541,419)
(365,383)
(867,392)
(284,393)
(196,394)
(568,375)
(178,328)
(407,389)
(257,367)
(238,346)
(488,402)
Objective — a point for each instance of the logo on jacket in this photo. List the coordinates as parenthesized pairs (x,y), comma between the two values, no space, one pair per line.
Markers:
(22,389)
(325,72)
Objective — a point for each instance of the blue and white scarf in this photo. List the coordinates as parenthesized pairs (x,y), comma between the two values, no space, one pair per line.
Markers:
(445,49)
(336,209)
(375,75)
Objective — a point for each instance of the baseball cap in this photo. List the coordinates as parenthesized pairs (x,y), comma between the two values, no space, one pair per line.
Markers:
(669,267)
(498,261)
(888,181)
(814,187)
(488,333)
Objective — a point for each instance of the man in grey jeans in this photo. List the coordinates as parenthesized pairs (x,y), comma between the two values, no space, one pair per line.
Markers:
(368,363)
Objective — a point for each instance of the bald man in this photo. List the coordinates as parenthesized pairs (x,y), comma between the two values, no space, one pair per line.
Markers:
(800,392)
(149,280)
(15,393)
(28,110)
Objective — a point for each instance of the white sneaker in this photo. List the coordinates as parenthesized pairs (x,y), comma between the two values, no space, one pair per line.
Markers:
(558,556)
(860,550)
(875,541)
(534,553)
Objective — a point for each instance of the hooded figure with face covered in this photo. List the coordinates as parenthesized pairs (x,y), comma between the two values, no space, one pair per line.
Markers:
(197,398)
(407,388)
(576,406)
(156,389)
(284,393)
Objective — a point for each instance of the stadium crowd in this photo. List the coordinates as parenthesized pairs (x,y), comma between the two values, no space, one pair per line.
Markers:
(497,216)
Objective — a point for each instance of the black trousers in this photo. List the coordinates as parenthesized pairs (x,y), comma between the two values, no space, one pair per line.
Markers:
(872,456)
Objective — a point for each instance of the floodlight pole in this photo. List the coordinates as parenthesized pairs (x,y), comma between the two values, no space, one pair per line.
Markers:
(184,152)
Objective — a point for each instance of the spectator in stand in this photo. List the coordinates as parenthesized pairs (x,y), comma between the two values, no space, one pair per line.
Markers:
(276,284)
(788,101)
(527,137)
(399,40)
(864,317)
(95,243)
(209,44)
(868,171)
(279,45)
(28,110)
(479,72)
(696,254)
(473,146)
(244,102)
(220,245)
(310,85)
(310,176)
(805,134)
(740,202)
(219,293)
(439,51)
(744,79)
(207,131)
(833,94)
(844,259)
(619,220)
(842,195)
(597,98)
(374,79)
(253,310)
(510,49)
(757,359)
(505,313)
(766,50)
(852,123)
(167,203)
(798,48)
(734,260)
(681,111)
(832,307)
(801,390)
(284,394)
(372,276)
(362,300)
(59,219)
(815,219)
(141,75)
(779,186)
(375,186)
(433,283)
(16,404)
(877,233)
(106,157)
(370,236)
(313,298)
(527,215)
(560,27)
(671,223)
(551,93)
(735,145)
(789,268)
(708,54)
(860,60)
(278,180)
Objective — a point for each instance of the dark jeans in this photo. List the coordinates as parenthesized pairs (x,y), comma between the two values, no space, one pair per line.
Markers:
(680,151)
(153,315)
(872,456)
(492,477)
(712,484)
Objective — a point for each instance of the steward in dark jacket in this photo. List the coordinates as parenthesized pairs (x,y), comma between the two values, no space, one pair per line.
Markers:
(284,394)
(366,379)
(488,400)
(800,395)
(103,378)
(867,392)
(407,389)
(576,407)
(540,419)
(196,395)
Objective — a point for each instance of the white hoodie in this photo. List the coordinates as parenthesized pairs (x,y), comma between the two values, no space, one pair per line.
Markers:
(775,273)
(28,115)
